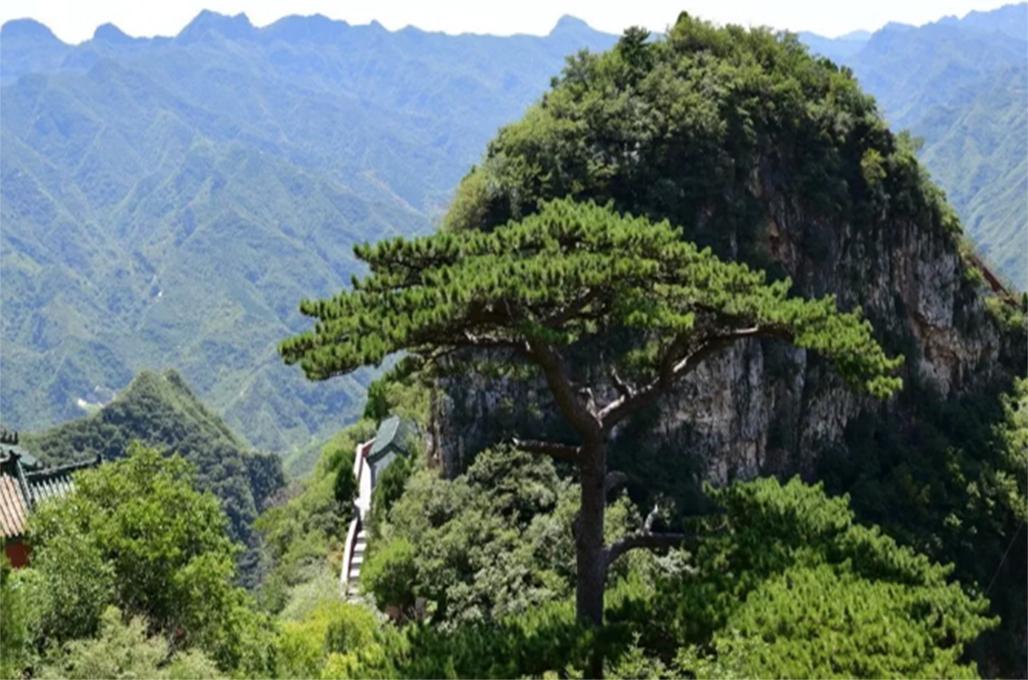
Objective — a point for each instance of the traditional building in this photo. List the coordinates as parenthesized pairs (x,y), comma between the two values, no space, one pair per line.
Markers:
(395,437)
(24,484)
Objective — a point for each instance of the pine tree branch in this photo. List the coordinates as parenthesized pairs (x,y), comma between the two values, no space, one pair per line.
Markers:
(623,388)
(567,452)
(674,367)
(645,539)
(570,405)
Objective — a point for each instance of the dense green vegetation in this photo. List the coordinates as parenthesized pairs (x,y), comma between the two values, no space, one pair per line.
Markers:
(491,543)
(110,544)
(303,535)
(748,104)
(123,650)
(953,484)
(750,108)
(144,178)
(543,291)
(161,411)
(840,598)
(781,583)
(167,201)
(907,559)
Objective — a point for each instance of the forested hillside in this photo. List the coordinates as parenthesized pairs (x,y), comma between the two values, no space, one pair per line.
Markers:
(166,202)
(707,382)
(776,160)
(160,411)
(960,84)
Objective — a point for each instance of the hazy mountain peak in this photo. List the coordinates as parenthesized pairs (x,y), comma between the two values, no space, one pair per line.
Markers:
(109,33)
(316,27)
(27,29)
(1011,20)
(569,24)
(897,26)
(208,22)
(862,36)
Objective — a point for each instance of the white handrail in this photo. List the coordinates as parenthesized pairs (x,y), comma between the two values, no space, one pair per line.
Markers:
(351,539)
(362,504)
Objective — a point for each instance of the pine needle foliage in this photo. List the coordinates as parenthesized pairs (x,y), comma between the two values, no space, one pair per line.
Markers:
(571,272)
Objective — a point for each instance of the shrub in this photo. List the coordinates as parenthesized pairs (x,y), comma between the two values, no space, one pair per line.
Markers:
(390,574)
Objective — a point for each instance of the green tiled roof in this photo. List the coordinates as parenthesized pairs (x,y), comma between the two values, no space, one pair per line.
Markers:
(54,482)
(393,433)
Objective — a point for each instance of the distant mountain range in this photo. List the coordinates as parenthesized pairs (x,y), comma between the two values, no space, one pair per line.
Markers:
(962,86)
(166,202)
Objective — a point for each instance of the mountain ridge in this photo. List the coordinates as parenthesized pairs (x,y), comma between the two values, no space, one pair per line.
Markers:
(239,25)
(169,203)
(160,410)
(960,85)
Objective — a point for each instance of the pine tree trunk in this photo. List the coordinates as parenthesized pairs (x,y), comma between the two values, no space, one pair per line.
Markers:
(591,560)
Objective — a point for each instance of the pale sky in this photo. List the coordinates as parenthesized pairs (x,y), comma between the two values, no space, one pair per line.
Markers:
(75,20)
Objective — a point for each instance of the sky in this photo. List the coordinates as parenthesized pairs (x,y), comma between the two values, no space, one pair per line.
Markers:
(75,20)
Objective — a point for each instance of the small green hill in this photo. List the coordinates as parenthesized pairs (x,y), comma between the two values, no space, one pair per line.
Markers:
(160,410)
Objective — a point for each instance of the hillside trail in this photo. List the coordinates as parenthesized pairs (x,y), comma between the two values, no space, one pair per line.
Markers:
(356,536)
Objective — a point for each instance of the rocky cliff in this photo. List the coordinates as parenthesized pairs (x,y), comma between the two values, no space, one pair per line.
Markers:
(819,191)
(766,408)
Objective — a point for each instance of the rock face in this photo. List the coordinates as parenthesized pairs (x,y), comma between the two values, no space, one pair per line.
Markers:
(763,407)
(771,158)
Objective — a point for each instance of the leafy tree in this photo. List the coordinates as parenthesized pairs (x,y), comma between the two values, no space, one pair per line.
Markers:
(137,534)
(123,650)
(70,581)
(15,634)
(345,487)
(571,275)
(390,574)
(389,486)
(337,640)
(494,542)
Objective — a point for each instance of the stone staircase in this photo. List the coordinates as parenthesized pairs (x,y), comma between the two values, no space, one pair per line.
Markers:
(356,537)
(360,545)
(366,457)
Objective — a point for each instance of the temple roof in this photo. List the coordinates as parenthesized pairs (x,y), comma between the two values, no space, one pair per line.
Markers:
(13,509)
(23,486)
(9,445)
(394,434)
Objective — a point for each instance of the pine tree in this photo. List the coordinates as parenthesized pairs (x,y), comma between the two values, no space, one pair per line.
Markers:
(533,291)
